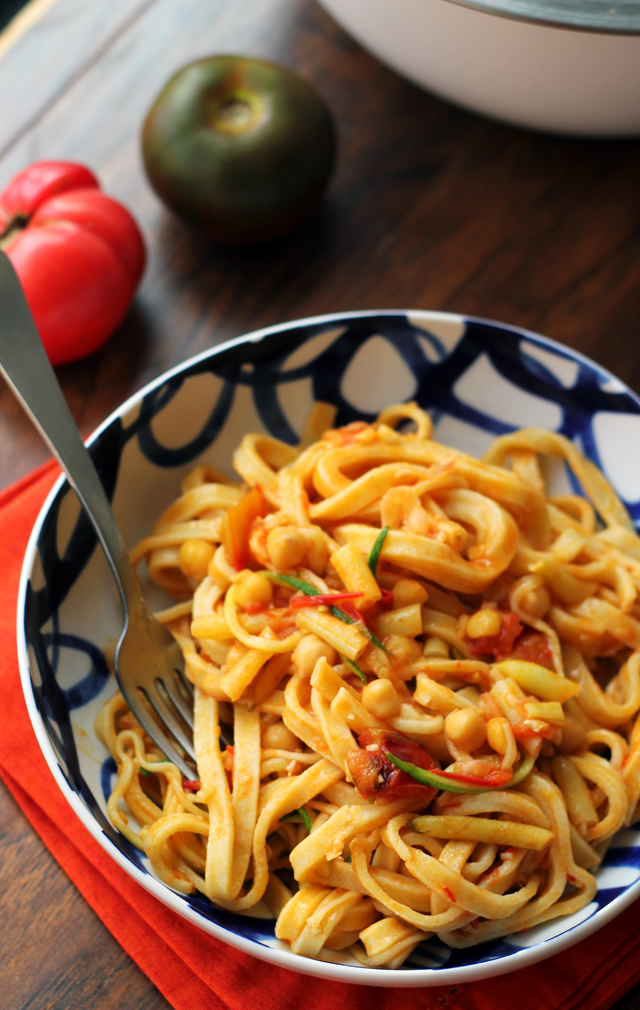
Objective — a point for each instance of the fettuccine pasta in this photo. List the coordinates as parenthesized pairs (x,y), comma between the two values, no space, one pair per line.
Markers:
(430,669)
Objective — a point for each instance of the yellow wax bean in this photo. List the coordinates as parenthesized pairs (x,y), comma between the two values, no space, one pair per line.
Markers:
(345,638)
(431,694)
(243,672)
(344,706)
(550,711)
(406,621)
(328,682)
(269,677)
(435,647)
(483,829)
(212,626)
(537,680)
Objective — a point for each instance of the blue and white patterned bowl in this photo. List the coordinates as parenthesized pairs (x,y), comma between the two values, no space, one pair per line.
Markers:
(478,379)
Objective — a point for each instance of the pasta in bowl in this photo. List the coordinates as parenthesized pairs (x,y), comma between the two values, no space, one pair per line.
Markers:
(428,664)
(362,611)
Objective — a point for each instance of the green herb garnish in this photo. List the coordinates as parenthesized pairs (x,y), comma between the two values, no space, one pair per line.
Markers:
(374,641)
(299,584)
(299,816)
(354,668)
(376,550)
(343,617)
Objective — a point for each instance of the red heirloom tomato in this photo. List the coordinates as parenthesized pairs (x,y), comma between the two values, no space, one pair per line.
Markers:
(78,253)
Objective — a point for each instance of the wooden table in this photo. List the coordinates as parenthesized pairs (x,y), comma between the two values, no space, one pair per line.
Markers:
(431,207)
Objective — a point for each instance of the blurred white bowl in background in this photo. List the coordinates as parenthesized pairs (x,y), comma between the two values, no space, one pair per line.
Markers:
(555,77)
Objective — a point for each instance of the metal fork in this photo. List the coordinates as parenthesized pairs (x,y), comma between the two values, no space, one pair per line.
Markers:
(148,661)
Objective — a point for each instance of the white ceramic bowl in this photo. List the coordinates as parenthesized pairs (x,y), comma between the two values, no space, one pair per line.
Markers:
(567,66)
(478,379)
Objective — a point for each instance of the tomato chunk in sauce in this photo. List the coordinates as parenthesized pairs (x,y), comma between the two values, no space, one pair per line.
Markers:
(533,647)
(513,642)
(374,775)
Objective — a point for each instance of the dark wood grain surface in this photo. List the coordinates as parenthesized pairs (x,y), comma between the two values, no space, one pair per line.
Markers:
(430,207)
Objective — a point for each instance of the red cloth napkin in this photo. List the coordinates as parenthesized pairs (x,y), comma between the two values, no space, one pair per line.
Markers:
(196,971)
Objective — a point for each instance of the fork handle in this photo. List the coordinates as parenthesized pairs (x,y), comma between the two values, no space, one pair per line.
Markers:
(26,368)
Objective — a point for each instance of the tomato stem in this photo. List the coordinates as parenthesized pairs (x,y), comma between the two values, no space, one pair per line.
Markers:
(11,232)
(237,112)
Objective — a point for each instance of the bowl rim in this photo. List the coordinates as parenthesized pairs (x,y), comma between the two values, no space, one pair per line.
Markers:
(357,975)
(601,18)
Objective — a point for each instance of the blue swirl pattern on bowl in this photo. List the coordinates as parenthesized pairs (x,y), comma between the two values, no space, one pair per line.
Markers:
(478,380)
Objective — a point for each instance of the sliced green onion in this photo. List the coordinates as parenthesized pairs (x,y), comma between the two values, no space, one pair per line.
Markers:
(354,668)
(302,587)
(427,778)
(376,550)
(374,640)
(343,617)
(299,816)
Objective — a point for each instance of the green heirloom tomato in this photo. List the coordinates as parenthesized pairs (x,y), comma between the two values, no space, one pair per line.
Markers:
(239,147)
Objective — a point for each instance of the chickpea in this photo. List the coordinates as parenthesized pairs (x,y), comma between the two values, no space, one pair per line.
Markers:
(380,698)
(286,546)
(496,736)
(536,602)
(253,588)
(308,651)
(279,737)
(435,648)
(466,728)
(194,558)
(483,623)
(404,650)
(408,591)
(573,735)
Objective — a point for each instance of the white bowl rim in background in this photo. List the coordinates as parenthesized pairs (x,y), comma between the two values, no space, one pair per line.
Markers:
(487,56)
(586,15)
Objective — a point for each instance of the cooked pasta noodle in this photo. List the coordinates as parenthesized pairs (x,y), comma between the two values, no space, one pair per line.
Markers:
(431,668)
